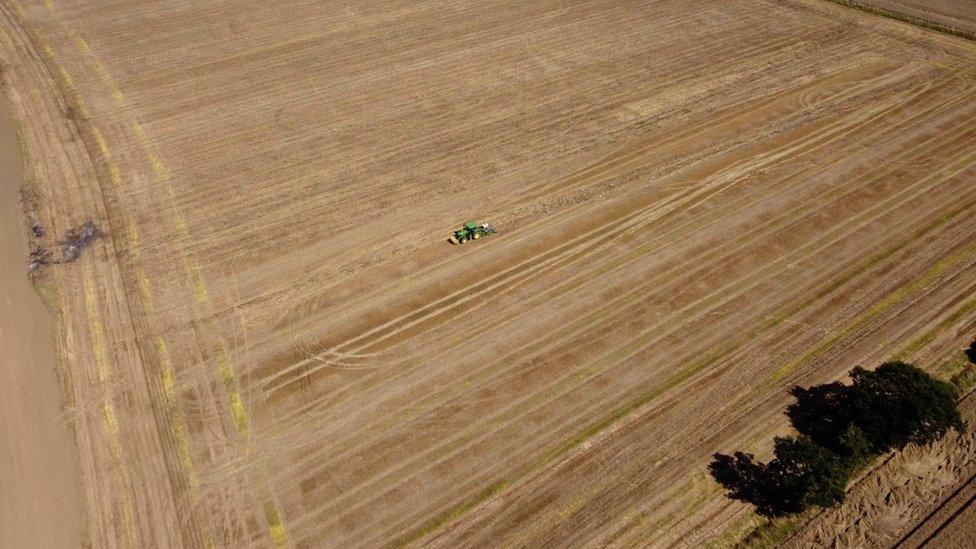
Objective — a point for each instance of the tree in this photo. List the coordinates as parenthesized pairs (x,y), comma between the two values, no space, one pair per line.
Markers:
(807,474)
(841,427)
(801,474)
(854,447)
(743,478)
(899,403)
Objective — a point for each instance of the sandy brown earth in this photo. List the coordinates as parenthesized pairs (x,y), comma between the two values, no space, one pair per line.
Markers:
(958,530)
(40,492)
(701,203)
(956,14)
(952,524)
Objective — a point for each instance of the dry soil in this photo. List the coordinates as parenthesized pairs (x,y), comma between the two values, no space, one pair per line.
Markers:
(41,504)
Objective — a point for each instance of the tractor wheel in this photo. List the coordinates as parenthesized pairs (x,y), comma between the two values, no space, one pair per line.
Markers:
(463,240)
(476,236)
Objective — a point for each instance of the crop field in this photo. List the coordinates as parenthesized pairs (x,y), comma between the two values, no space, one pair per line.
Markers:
(700,204)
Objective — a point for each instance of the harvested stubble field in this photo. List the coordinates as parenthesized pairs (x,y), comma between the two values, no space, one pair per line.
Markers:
(701,203)
(952,525)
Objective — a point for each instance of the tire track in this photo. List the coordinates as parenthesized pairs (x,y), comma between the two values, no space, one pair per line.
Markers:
(610,230)
(631,296)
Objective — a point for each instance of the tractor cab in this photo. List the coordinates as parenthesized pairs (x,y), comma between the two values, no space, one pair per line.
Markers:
(471,231)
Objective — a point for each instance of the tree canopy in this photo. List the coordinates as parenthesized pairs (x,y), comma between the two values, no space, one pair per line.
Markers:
(840,428)
(899,403)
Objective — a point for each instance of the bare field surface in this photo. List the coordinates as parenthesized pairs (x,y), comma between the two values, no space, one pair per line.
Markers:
(953,523)
(956,14)
(701,203)
(916,497)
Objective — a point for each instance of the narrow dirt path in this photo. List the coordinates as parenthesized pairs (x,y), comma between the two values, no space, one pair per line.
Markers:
(39,473)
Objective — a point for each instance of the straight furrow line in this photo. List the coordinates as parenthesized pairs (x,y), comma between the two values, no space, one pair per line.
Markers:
(621,159)
(109,418)
(859,325)
(647,247)
(879,307)
(594,317)
(633,409)
(729,179)
(615,357)
(828,137)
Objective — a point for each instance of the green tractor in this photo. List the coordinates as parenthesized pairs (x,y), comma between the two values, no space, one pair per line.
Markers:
(472,231)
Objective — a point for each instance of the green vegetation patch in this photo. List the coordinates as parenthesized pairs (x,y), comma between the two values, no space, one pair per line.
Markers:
(48,291)
(964,377)
(771,532)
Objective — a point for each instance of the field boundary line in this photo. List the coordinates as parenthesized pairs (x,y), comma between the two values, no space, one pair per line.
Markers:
(98,337)
(806,522)
(177,428)
(962,508)
(276,529)
(906,18)
(145,290)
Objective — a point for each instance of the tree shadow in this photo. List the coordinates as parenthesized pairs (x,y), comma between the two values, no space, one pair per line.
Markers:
(821,413)
(821,416)
(971,352)
(746,480)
